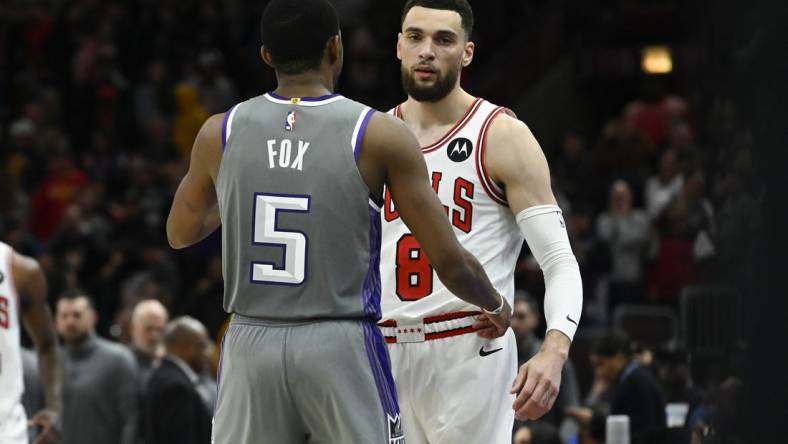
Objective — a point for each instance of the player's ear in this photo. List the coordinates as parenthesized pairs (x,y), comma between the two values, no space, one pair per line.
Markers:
(399,39)
(467,56)
(334,49)
(266,56)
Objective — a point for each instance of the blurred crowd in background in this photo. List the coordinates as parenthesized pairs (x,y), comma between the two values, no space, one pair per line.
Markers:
(100,101)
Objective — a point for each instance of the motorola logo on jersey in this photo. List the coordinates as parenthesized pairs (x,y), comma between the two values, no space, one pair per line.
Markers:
(459,149)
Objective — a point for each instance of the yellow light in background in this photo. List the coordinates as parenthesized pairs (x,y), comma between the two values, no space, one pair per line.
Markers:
(656,60)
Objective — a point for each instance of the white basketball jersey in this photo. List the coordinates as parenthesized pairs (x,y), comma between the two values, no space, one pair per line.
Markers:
(477,210)
(10,354)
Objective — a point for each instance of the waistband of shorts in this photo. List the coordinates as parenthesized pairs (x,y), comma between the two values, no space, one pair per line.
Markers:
(240,319)
(434,327)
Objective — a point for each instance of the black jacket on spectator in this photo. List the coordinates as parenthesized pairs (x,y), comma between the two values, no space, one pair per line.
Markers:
(637,395)
(176,413)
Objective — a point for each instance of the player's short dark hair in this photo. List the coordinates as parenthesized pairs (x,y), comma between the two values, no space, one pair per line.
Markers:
(461,7)
(612,344)
(296,32)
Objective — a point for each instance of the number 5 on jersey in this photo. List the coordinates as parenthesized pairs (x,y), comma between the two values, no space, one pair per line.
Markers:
(267,233)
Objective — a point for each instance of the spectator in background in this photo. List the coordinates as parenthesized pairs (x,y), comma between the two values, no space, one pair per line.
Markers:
(593,258)
(700,214)
(153,98)
(176,411)
(675,266)
(189,118)
(148,320)
(663,187)
(101,381)
(33,396)
(633,392)
(656,111)
(217,92)
(55,194)
(680,139)
(624,152)
(575,171)
(625,231)
(525,320)
(205,301)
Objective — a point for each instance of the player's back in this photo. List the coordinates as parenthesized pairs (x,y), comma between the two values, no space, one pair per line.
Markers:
(10,355)
(301,236)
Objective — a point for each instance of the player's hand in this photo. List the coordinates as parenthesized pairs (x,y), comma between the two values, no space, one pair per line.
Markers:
(48,420)
(490,326)
(537,384)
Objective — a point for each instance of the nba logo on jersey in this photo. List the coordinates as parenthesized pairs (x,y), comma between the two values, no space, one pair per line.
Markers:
(395,430)
(290,121)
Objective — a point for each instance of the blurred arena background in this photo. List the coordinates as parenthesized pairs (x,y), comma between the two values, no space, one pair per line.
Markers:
(638,105)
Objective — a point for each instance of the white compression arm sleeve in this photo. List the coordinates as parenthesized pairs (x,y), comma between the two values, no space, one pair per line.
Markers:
(545,231)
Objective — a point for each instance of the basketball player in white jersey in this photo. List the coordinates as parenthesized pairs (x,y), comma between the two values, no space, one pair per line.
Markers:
(23,295)
(493,180)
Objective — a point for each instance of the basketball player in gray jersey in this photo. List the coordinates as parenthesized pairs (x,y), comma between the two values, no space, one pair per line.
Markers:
(295,177)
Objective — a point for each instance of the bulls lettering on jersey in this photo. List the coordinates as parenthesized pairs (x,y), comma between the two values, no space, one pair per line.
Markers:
(475,206)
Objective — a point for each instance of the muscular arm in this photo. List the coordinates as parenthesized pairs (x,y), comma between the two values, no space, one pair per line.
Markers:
(391,154)
(195,213)
(32,288)
(516,161)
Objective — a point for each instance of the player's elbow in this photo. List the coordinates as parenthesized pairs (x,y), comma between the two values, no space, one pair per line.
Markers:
(177,242)
(175,237)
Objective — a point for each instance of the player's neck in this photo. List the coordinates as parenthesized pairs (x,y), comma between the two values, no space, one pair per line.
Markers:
(309,84)
(446,111)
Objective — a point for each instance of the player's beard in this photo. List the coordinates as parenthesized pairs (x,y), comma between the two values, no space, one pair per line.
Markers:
(443,85)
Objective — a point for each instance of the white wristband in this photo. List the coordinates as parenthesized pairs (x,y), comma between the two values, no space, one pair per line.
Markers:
(498,310)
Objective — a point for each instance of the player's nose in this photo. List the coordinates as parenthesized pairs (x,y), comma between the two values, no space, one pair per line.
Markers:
(426,50)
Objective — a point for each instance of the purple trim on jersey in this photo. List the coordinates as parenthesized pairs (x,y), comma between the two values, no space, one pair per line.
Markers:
(371,290)
(224,126)
(303,99)
(360,136)
(381,368)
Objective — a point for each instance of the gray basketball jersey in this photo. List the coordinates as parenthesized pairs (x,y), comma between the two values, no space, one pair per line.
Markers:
(300,234)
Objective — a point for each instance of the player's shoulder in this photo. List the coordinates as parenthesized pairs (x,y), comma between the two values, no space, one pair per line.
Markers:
(213,125)
(24,267)
(385,126)
(506,125)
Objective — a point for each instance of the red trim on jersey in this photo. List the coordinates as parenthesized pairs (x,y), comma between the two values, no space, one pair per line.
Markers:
(467,117)
(449,333)
(437,318)
(490,187)
(450,316)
